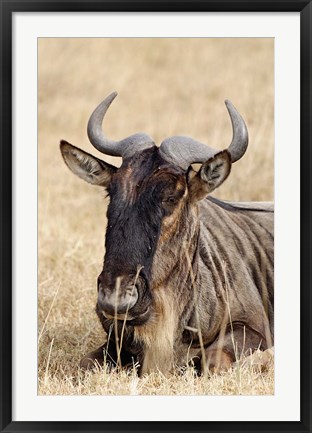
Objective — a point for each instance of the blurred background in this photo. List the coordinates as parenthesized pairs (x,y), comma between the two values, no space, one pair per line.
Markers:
(165,87)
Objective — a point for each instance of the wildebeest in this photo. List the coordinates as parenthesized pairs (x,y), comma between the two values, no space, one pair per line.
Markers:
(186,277)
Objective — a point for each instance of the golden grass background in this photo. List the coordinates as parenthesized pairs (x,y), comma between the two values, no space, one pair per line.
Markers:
(166,87)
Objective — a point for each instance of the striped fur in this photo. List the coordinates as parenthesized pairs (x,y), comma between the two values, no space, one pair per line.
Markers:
(231,256)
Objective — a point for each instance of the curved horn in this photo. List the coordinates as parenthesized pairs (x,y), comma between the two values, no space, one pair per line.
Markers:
(126,147)
(239,142)
(184,151)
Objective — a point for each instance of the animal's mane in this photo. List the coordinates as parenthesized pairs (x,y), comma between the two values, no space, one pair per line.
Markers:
(256,206)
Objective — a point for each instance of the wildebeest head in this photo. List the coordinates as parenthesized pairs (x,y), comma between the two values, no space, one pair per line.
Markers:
(152,207)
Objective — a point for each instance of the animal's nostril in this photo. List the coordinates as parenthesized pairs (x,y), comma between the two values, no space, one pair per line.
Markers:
(98,283)
(132,289)
(101,299)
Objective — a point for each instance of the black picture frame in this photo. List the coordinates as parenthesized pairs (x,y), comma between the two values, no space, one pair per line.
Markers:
(8,7)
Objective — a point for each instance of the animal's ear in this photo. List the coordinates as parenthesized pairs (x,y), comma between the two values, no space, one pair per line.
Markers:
(211,175)
(86,166)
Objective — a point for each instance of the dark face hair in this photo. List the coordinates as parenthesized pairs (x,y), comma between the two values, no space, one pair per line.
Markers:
(143,191)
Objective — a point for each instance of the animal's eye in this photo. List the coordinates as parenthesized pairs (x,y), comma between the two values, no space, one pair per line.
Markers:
(171,200)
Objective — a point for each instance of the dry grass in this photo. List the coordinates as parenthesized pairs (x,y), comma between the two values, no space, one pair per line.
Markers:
(166,87)
(238,381)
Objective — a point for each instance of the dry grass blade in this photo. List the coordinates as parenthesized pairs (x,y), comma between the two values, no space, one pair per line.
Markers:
(139,268)
(199,331)
(118,348)
(46,375)
(47,316)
